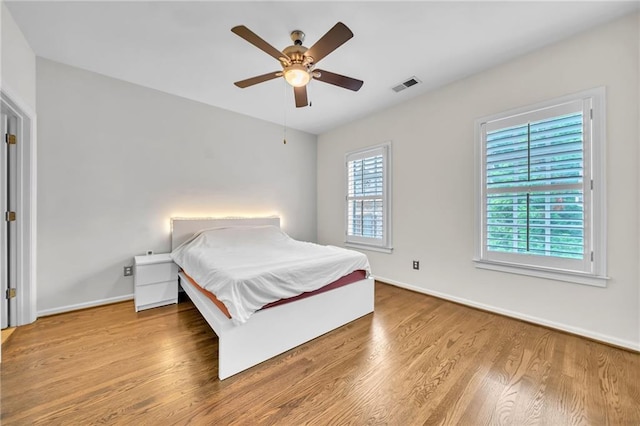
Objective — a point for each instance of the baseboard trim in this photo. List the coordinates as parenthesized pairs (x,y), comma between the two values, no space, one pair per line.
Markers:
(603,338)
(78,306)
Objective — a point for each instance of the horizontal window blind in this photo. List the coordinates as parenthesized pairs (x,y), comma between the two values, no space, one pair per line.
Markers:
(542,223)
(534,187)
(366,218)
(365,197)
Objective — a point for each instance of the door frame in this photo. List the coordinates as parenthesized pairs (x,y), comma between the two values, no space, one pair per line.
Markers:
(8,191)
(26,202)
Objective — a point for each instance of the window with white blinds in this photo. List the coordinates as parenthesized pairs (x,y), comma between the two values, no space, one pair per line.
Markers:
(539,208)
(367,199)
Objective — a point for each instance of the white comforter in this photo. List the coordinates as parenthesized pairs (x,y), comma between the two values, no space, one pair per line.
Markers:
(249,267)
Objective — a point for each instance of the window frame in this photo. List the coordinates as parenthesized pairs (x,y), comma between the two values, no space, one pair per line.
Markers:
(374,244)
(592,269)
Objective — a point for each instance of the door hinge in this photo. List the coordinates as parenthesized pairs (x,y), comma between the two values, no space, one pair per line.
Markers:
(10,139)
(11,293)
(592,256)
(9,216)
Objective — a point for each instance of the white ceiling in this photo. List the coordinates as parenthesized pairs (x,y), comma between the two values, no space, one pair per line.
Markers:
(187,48)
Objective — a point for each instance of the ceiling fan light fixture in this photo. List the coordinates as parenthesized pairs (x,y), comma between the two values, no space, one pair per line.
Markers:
(296,75)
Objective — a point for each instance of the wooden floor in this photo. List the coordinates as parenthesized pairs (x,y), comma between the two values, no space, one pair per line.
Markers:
(416,360)
(6,333)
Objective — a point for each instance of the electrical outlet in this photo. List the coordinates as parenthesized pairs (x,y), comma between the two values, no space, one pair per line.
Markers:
(416,264)
(128,271)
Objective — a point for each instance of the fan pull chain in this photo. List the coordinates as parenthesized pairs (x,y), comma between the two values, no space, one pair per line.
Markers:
(284,104)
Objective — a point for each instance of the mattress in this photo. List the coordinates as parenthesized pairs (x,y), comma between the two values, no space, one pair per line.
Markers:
(346,280)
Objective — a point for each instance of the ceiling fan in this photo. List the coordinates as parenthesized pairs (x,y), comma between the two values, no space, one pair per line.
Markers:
(298,63)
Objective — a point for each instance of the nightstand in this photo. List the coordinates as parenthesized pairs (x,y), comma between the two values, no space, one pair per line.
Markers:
(155,281)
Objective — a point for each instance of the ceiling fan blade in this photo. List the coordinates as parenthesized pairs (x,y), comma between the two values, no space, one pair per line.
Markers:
(329,42)
(301,96)
(258,42)
(339,80)
(258,79)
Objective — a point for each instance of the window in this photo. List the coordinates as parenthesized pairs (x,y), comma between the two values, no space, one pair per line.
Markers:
(368,198)
(540,208)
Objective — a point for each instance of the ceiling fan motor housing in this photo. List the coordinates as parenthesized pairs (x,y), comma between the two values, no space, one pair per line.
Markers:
(296,54)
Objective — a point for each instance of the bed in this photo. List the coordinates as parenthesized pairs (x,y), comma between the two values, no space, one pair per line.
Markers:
(269,332)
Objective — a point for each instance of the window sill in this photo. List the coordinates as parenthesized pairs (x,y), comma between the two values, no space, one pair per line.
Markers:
(368,247)
(553,274)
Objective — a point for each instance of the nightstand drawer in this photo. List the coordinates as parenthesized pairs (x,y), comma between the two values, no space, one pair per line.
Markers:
(155,273)
(154,294)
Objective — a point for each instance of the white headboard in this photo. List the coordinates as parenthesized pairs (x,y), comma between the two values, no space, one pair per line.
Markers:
(183,228)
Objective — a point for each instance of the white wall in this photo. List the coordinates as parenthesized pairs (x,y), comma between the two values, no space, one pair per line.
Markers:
(433,185)
(116,161)
(18,62)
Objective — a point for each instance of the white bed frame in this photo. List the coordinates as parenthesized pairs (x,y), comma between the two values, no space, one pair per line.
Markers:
(275,330)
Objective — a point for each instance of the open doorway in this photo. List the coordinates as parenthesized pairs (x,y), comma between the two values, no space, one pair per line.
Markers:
(18,212)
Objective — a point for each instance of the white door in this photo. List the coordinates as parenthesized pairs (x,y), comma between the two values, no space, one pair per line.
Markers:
(8,201)
(4,306)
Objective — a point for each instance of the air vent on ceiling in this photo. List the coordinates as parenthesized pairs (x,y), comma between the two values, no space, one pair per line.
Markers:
(410,82)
